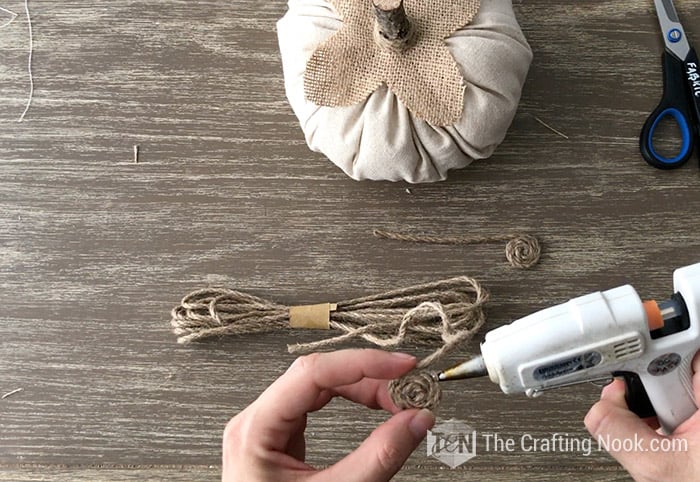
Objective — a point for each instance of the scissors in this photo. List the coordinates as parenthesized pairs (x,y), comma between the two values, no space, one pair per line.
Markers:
(681,96)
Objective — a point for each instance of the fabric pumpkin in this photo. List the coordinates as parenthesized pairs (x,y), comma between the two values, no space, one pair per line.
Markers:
(379,138)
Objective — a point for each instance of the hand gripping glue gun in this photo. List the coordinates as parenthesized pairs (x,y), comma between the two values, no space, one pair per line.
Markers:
(597,337)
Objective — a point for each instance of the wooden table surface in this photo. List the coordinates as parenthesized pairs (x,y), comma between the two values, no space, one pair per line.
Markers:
(95,250)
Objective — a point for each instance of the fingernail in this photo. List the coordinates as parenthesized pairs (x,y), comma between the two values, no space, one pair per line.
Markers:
(403,356)
(421,423)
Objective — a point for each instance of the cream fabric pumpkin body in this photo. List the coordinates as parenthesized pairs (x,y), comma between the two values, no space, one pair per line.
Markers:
(379,138)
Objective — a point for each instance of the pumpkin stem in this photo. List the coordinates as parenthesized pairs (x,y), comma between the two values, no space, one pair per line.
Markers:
(393,27)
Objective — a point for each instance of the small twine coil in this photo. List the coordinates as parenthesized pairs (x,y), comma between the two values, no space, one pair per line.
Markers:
(450,311)
(418,389)
(522,250)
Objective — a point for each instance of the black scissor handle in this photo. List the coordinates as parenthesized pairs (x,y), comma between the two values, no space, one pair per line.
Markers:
(692,79)
(675,103)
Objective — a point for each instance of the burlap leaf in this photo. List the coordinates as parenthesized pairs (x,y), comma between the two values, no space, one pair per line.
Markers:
(350,64)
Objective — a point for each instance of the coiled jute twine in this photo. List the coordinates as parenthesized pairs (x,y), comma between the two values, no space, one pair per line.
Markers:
(522,250)
(447,312)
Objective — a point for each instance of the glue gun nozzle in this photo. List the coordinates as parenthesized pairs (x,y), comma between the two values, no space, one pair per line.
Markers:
(472,368)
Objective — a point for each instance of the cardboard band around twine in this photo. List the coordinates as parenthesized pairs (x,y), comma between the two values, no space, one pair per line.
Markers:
(447,313)
(315,317)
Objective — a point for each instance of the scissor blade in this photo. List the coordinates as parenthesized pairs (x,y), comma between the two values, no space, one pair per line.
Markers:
(671,29)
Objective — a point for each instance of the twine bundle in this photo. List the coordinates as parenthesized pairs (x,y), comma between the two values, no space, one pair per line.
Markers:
(522,250)
(448,312)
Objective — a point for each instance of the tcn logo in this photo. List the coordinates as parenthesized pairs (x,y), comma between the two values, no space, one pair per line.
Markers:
(452,442)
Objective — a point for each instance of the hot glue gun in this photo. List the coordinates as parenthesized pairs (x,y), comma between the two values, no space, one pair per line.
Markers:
(600,336)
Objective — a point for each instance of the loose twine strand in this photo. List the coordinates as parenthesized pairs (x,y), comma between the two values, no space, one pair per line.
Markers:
(449,311)
(29,62)
(30,56)
(522,250)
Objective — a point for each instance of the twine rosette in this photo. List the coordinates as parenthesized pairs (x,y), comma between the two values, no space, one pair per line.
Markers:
(522,250)
(418,389)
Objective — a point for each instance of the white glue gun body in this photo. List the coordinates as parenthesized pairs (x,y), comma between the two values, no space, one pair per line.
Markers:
(597,337)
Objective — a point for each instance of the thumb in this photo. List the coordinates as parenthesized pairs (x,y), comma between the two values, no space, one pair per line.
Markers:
(623,434)
(384,452)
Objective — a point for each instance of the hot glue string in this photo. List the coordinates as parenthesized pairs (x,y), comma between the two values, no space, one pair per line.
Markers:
(13,16)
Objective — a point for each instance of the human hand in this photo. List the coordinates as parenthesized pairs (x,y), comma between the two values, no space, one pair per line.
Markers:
(649,461)
(266,440)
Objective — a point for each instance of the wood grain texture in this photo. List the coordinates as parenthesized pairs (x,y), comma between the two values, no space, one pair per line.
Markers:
(194,474)
(95,250)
